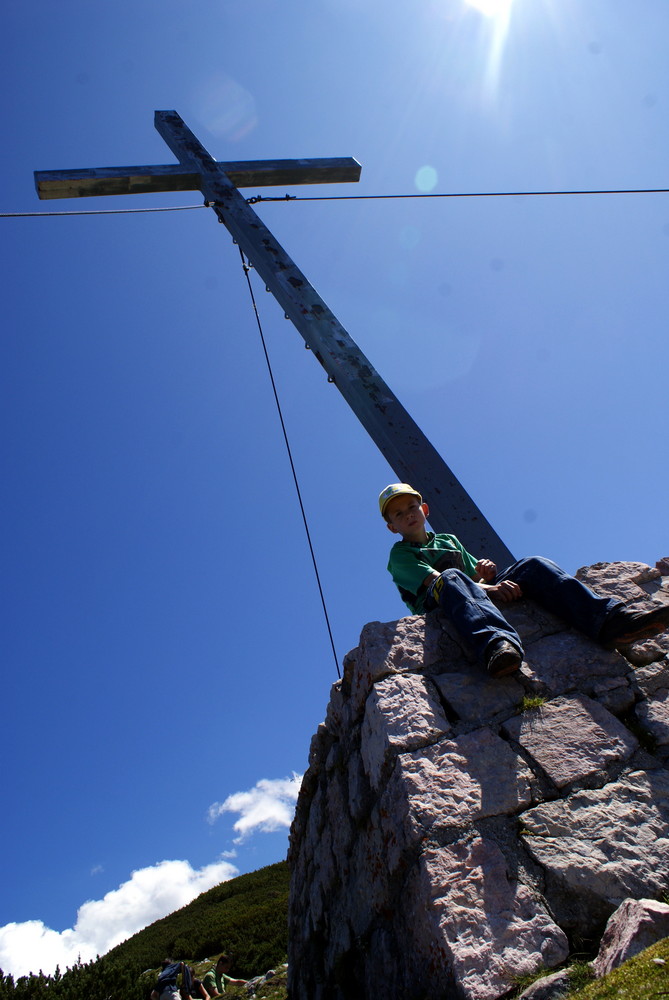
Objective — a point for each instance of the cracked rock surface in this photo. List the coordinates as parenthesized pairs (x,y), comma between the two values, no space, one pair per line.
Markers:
(453,833)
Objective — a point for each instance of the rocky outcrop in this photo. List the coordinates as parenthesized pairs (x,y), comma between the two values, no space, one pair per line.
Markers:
(636,925)
(453,833)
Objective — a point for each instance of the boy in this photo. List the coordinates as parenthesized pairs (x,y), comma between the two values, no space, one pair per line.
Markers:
(215,980)
(436,571)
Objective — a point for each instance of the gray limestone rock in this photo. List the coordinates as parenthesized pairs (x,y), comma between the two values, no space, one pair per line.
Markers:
(635,925)
(642,653)
(620,580)
(400,714)
(653,710)
(408,644)
(453,784)
(530,621)
(657,590)
(599,846)
(569,661)
(444,842)
(653,714)
(474,698)
(572,738)
(359,792)
(652,677)
(481,925)
(548,988)
(338,716)
(616,694)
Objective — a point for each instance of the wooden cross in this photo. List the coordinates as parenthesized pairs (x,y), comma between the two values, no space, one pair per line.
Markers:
(405,447)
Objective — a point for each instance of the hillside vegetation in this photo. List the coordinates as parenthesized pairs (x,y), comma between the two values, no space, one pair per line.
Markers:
(246,917)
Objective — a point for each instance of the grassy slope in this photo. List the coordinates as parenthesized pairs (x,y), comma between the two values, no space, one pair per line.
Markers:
(642,977)
(245,917)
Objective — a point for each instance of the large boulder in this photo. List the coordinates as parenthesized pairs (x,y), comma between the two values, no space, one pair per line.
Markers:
(452,832)
(635,925)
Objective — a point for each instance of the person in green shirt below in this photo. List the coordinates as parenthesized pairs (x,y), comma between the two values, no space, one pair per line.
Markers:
(215,979)
(436,571)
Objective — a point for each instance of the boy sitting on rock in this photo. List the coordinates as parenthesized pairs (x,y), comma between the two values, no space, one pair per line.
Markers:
(436,571)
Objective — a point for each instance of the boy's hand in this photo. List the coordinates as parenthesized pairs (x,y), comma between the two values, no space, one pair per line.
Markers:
(486,569)
(504,592)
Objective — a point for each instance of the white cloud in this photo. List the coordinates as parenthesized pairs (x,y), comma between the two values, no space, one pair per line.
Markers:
(266,808)
(149,894)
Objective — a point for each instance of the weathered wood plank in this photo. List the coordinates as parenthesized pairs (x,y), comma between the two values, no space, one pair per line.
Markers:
(113,180)
(99,181)
(272,173)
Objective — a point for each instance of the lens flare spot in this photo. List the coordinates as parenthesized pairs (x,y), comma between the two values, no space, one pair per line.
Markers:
(226,107)
(426,179)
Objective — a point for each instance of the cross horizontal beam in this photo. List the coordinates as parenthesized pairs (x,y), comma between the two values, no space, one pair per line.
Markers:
(97,181)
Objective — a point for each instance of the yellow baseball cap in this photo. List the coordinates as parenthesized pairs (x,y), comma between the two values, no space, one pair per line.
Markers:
(396,490)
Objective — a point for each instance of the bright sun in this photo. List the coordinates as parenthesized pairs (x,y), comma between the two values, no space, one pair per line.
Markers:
(491,8)
(498,16)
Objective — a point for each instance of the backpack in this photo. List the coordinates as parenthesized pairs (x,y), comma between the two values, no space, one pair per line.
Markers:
(168,977)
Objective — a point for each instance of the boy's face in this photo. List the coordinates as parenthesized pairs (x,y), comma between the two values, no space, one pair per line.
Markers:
(405,516)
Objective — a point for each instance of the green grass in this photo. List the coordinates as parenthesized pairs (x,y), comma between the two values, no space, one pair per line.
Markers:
(580,973)
(275,988)
(531,701)
(247,917)
(641,978)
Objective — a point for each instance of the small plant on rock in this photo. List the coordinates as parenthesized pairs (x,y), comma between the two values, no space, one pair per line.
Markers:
(531,701)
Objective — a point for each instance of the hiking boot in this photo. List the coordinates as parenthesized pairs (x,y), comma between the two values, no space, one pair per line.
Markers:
(503,658)
(628,626)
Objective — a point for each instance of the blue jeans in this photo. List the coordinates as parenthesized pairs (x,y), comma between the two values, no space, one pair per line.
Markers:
(480,622)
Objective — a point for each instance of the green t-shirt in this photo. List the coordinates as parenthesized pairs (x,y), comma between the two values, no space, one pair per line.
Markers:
(411,562)
(214,982)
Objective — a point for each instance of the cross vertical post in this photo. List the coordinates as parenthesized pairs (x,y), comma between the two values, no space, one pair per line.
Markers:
(407,450)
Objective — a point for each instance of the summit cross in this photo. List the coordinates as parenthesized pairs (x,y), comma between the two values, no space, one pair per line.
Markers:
(402,443)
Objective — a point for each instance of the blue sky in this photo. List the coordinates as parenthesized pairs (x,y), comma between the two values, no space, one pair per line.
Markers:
(167,658)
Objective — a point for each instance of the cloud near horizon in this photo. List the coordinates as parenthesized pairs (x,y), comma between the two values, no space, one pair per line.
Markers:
(266,808)
(149,894)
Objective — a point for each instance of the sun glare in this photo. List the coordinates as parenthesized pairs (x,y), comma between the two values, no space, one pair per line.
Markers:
(498,16)
(491,8)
